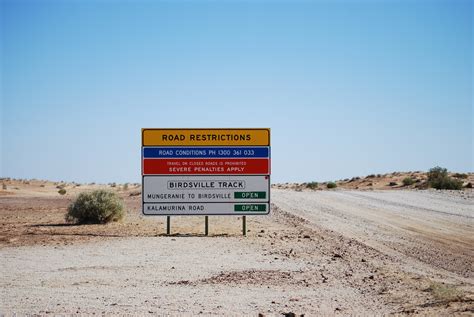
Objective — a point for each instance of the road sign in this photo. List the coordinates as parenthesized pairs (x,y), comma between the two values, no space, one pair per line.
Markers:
(205,137)
(204,209)
(212,189)
(205,171)
(206,166)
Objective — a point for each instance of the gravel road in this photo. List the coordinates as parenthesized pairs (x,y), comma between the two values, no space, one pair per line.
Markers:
(318,253)
(433,227)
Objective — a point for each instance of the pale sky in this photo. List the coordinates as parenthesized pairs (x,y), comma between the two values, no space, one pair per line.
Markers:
(348,87)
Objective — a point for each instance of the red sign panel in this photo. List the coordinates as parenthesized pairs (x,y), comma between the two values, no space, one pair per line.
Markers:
(206,166)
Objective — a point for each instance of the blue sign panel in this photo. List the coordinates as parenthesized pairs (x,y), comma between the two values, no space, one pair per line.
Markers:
(205,152)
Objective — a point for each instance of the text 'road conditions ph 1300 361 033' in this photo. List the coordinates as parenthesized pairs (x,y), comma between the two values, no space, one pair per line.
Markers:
(205,171)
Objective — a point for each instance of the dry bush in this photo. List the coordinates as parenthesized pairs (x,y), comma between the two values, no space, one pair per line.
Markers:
(331,185)
(98,206)
(444,293)
(407,181)
(438,178)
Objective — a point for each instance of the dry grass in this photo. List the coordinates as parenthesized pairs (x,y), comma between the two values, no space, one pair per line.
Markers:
(444,292)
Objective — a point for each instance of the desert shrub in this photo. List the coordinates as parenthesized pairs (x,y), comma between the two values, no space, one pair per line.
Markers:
(4,186)
(460,175)
(42,185)
(331,185)
(407,181)
(353,179)
(469,185)
(370,176)
(125,186)
(444,292)
(113,185)
(99,206)
(62,191)
(438,178)
(392,184)
(312,185)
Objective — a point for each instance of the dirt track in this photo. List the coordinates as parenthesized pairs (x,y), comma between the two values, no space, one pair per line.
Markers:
(331,252)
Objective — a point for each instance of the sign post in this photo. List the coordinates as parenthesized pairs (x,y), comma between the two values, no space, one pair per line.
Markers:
(205,172)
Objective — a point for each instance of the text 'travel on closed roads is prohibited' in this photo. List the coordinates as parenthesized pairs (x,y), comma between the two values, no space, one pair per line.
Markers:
(205,171)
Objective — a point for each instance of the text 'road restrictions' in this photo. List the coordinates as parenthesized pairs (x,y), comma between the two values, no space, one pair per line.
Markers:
(205,171)
(206,137)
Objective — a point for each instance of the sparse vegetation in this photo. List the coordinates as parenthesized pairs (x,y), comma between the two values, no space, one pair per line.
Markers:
(353,179)
(99,206)
(444,293)
(370,176)
(392,184)
(331,185)
(438,178)
(4,186)
(125,186)
(407,181)
(460,175)
(312,185)
(62,191)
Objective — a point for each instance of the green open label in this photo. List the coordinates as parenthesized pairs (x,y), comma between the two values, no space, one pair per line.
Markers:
(250,195)
(250,208)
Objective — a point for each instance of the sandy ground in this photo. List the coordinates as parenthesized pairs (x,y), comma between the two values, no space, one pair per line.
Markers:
(318,253)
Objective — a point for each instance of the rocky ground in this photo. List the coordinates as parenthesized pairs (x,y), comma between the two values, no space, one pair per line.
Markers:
(337,252)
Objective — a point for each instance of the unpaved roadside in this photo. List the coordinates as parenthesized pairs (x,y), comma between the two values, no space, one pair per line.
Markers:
(433,227)
(331,253)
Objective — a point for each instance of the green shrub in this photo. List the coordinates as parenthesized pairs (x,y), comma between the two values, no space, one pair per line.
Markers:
(312,185)
(331,185)
(438,178)
(407,181)
(98,206)
(62,191)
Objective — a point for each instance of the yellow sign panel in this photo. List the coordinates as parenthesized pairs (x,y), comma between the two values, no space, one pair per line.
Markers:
(203,137)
